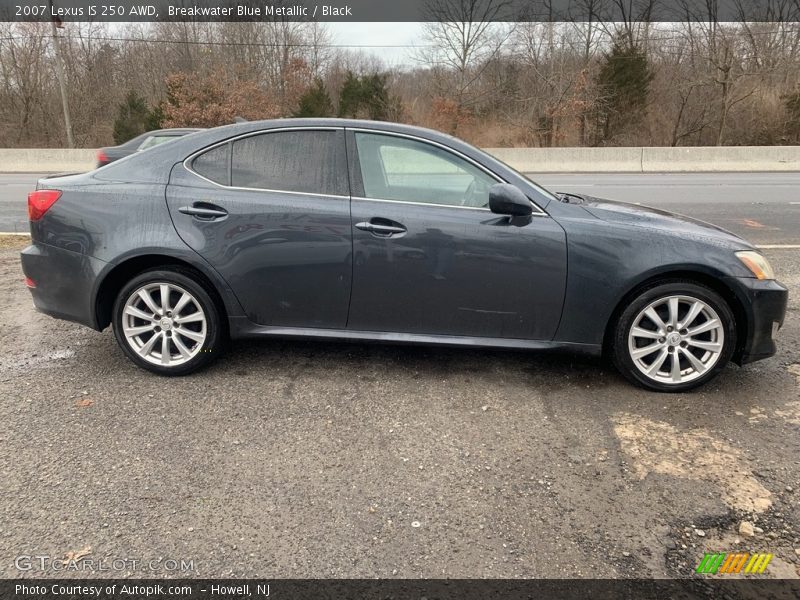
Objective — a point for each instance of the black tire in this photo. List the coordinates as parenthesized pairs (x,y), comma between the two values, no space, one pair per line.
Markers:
(658,292)
(200,352)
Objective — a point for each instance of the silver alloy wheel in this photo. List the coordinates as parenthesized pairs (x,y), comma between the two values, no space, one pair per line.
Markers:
(164,324)
(676,339)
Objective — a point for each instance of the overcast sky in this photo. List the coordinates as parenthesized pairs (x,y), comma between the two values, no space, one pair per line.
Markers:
(380,35)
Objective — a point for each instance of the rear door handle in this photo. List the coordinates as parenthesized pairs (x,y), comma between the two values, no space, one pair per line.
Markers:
(208,212)
(381,229)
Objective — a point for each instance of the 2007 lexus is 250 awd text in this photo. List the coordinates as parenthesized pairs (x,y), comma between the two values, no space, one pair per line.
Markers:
(339,229)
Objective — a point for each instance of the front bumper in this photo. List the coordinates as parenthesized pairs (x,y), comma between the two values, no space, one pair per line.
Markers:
(64,281)
(764,306)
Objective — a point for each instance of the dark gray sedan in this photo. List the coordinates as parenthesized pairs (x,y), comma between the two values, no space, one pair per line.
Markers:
(141,142)
(338,229)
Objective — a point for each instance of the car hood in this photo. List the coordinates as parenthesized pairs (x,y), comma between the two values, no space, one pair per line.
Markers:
(660,220)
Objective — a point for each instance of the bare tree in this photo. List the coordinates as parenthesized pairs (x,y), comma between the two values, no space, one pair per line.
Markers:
(24,80)
(462,40)
(716,82)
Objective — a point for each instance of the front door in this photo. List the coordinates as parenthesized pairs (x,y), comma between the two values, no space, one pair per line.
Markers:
(429,256)
(271,213)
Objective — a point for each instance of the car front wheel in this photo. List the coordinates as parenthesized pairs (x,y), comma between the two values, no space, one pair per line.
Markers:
(167,323)
(674,336)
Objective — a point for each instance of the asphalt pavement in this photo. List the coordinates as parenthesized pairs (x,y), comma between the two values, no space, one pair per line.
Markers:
(301,459)
(762,207)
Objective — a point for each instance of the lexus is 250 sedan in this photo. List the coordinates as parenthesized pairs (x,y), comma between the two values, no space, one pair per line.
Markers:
(358,230)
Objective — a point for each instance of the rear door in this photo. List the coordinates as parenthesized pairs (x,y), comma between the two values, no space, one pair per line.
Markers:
(271,213)
(431,258)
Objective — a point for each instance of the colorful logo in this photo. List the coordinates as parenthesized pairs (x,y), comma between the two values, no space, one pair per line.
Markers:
(736,562)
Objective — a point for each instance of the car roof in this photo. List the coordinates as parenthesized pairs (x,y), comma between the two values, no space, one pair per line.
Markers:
(157,162)
(249,126)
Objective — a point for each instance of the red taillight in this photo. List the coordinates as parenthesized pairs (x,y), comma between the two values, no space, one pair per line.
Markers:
(30,283)
(40,201)
(102,158)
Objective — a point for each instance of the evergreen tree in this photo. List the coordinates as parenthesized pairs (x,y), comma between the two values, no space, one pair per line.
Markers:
(366,96)
(133,118)
(350,96)
(624,79)
(375,96)
(315,102)
(155,117)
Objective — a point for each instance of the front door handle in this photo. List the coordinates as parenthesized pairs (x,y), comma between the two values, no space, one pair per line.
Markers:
(381,229)
(207,212)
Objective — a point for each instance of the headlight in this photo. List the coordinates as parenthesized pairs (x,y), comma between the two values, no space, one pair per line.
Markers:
(758,265)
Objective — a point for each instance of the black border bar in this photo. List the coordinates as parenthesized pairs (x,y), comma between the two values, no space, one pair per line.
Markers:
(401,10)
(397,589)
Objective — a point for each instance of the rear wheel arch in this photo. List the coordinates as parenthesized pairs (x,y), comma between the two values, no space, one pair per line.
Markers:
(122,273)
(709,280)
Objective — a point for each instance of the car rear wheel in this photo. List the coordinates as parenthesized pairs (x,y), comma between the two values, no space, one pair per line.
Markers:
(674,336)
(167,323)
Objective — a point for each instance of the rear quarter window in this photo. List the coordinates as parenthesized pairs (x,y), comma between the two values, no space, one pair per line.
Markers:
(214,164)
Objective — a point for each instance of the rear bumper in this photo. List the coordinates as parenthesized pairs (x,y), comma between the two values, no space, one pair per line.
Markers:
(64,282)
(764,304)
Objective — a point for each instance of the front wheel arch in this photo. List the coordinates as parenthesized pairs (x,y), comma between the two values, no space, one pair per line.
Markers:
(701,278)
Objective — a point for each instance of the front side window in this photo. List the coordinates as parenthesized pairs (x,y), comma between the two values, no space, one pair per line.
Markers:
(396,168)
(306,161)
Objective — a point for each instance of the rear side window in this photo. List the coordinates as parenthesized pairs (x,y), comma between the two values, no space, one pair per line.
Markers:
(214,164)
(307,161)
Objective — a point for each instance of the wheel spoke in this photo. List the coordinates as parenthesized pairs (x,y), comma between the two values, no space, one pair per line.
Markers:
(182,302)
(192,335)
(165,354)
(695,362)
(675,372)
(653,316)
(653,369)
(134,331)
(707,326)
(673,311)
(710,346)
(148,347)
(695,310)
(645,333)
(192,318)
(165,297)
(646,351)
(148,300)
(135,312)
(185,353)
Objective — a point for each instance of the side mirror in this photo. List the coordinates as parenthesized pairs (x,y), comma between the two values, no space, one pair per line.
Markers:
(507,199)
